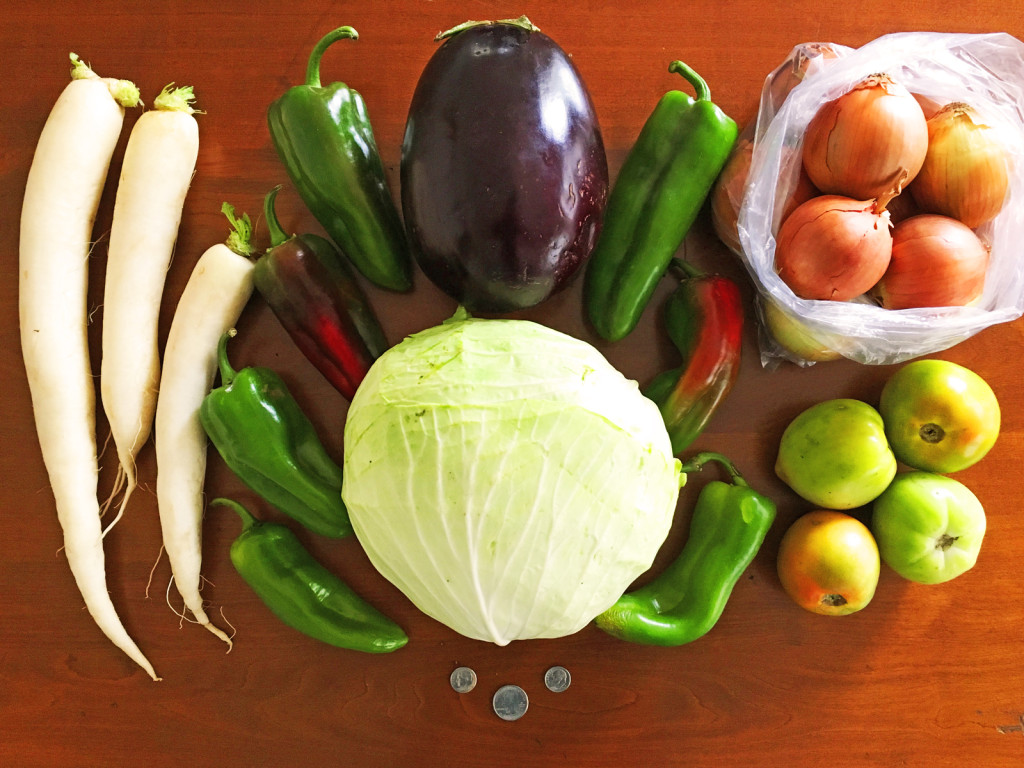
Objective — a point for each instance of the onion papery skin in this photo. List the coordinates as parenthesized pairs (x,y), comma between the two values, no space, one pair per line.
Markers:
(833,248)
(966,171)
(805,58)
(936,261)
(870,141)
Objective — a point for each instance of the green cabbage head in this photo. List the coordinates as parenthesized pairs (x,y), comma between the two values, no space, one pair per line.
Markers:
(506,478)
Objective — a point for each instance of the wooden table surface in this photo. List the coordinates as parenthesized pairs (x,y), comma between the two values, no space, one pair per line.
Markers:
(923,676)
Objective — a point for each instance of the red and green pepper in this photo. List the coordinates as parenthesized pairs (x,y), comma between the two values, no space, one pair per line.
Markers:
(317,299)
(704,319)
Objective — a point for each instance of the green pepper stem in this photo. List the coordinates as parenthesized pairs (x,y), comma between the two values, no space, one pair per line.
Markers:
(698,82)
(697,462)
(313,67)
(684,269)
(248,519)
(277,235)
(227,373)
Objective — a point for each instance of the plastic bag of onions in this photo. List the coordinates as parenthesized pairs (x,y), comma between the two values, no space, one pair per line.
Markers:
(985,152)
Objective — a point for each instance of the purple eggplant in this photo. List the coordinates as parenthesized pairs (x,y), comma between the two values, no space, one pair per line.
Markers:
(504,176)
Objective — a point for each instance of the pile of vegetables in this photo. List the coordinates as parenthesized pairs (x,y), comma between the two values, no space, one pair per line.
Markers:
(861,151)
(503,475)
(934,418)
(918,287)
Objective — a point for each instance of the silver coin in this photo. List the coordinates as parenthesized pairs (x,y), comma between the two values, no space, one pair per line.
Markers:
(510,702)
(463,679)
(557,679)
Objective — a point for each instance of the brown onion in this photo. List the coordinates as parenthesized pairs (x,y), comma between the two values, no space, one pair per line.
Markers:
(858,144)
(966,170)
(834,247)
(727,195)
(936,261)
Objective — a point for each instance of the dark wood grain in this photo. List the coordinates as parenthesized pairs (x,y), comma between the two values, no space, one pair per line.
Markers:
(923,677)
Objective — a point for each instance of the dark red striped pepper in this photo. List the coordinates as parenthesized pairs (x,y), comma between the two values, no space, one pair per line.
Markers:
(704,319)
(315,296)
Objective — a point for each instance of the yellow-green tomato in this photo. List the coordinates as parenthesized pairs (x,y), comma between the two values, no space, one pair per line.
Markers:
(929,527)
(939,416)
(795,336)
(835,454)
(828,563)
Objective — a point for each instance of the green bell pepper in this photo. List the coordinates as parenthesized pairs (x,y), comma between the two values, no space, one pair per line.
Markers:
(657,196)
(325,140)
(265,438)
(683,603)
(302,593)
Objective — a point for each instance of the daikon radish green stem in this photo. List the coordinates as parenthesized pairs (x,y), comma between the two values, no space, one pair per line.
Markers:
(210,305)
(159,162)
(62,194)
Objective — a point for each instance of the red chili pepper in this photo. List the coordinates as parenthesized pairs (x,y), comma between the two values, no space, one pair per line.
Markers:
(704,319)
(315,296)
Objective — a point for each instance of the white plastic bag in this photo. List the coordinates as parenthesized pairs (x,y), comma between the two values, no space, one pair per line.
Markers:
(986,71)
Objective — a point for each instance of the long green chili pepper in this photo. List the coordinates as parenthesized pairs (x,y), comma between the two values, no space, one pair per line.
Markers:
(704,319)
(325,140)
(304,594)
(684,602)
(657,196)
(267,440)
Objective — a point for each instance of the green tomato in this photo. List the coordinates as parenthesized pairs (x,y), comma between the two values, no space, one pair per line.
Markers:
(835,455)
(939,416)
(928,527)
(794,336)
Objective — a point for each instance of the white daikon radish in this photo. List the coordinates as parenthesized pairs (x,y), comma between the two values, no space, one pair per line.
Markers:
(213,299)
(62,195)
(159,162)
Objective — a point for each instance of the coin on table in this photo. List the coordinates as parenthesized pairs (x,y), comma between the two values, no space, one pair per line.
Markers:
(510,702)
(557,679)
(463,679)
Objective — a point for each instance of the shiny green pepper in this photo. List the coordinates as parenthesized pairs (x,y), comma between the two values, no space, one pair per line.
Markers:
(265,438)
(657,196)
(324,138)
(302,593)
(683,603)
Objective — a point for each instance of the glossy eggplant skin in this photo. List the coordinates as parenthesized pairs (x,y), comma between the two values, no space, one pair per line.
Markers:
(504,176)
